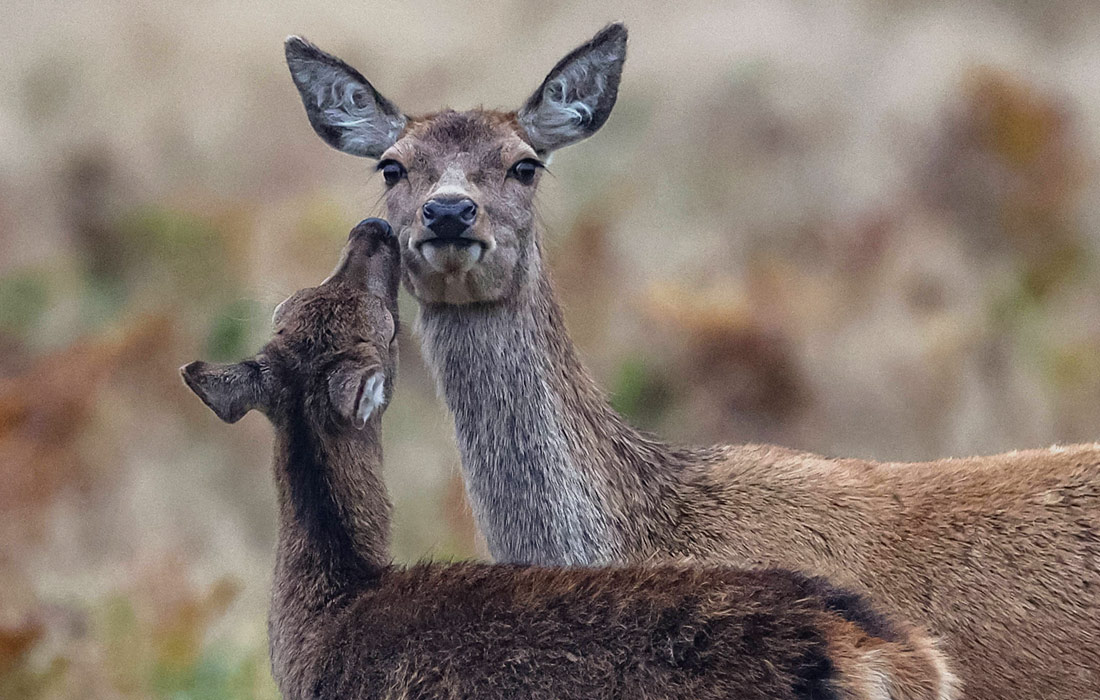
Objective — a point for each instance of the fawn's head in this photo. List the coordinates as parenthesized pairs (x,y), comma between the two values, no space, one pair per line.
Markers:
(334,351)
(461,185)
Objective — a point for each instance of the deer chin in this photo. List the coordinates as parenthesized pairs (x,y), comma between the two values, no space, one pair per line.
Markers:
(469,270)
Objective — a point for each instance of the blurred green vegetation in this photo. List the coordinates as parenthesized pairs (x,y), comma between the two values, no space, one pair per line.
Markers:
(170,654)
(639,392)
(24,300)
(233,329)
(184,251)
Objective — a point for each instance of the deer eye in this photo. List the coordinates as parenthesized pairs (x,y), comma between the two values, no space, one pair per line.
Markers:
(524,171)
(392,172)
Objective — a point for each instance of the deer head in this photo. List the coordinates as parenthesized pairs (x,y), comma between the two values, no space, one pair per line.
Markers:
(461,185)
(334,345)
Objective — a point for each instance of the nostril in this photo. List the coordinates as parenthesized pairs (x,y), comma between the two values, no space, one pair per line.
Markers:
(449,217)
(468,212)
(430,212)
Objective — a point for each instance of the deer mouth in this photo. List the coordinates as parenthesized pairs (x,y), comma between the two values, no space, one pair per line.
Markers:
(451,255)
(457,241)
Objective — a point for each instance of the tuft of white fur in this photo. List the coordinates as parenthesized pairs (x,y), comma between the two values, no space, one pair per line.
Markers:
(278,309)
(950,685)
(876,678)
(373,395)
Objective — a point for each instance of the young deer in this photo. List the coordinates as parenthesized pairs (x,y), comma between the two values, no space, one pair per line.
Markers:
(1000,555)
(346,624)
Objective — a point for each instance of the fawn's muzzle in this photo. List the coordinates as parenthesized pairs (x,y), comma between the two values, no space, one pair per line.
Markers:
(370,259)
(372,229)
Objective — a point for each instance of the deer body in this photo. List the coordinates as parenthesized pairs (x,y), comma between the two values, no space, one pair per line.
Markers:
(1001,554)
(346,624)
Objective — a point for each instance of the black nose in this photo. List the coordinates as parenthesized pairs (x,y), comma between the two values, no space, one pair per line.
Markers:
(449,218)
(372,227)
(370,235)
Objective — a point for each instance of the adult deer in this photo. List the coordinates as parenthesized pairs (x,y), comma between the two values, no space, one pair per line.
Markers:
(1000,555)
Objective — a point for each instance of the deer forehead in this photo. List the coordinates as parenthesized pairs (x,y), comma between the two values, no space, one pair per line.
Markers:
(452,146)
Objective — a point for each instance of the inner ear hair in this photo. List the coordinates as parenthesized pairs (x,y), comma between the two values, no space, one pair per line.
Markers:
(343,107)
(577,96)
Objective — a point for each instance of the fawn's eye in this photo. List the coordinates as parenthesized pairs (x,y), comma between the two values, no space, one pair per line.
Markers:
(524,171)
(392,172)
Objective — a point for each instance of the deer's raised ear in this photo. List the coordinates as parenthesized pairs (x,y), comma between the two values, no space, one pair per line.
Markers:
(576,97)
(343,107)
(230,390)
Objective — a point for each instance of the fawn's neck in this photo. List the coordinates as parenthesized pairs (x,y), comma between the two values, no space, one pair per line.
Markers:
(554,475)
(334,515)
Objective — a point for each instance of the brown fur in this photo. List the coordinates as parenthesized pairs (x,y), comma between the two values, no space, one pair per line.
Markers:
(346,624)
(1000,555)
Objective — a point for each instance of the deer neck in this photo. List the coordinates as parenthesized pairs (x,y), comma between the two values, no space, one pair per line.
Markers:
(551,470)
(334,515)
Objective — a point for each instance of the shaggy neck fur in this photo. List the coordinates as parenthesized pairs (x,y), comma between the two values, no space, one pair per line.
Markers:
(543,452)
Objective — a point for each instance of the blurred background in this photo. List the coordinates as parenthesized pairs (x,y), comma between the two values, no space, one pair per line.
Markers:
(864,228)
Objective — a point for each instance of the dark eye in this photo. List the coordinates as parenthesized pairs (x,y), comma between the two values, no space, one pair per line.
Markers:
(525,170)
(392,171)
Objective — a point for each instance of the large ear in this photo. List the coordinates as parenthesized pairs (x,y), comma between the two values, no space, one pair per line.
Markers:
(576,97)
(357,391)
(344,109)
(229,390)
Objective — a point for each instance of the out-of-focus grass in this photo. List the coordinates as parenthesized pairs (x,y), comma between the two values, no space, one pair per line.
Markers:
(184,250)
(639,392)
(24,298)
(232,330)
(115,648)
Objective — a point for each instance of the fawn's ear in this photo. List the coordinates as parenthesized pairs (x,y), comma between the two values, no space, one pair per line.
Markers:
(576,97)
(357,391)
(230,390)
(343,107)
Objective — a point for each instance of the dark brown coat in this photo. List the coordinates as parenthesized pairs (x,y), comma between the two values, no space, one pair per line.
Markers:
(999,555)
(345,624)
